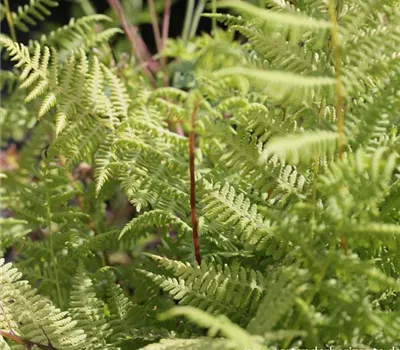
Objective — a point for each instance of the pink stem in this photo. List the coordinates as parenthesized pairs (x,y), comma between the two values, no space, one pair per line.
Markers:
(134,38)
(154,22)
(165,29)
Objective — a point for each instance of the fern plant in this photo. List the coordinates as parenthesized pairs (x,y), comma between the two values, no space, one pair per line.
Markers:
(244,181)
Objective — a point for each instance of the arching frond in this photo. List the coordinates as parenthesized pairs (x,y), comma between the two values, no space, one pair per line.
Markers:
(78,34)
(286,87)
(301,147)
(29,14)
(289,19)
(195,344)
(157,218)
(217,324)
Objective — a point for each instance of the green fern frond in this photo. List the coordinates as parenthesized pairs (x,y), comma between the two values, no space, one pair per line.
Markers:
(95,94)
(147,169)
(29,14)
(290,24)
(215,289)
(288,19)
(158,218)
(121,311)
(286,87)
(279,297)
(374,228)
(195,344)
(381,53)
(291,183)
(75,29)
(225,18)
(78,34)
(12,230)
(274,53)
(299,243)
(36,74)
(216,324)
(83,87)
(361,170)
(363,233)
(301,147)
(8,80)
(241,150)
(88,311)
(377,112)
(33,317)
(78,141)
(223,205)
(280,5)
(118,95)
(105,157)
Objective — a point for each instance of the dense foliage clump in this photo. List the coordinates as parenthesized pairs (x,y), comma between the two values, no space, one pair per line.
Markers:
(246,180)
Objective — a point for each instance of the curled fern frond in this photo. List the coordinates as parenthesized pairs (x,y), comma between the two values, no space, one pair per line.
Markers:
(155,217)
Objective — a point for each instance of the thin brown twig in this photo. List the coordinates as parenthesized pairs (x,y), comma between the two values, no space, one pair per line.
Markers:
(134,38)
(165,29)
(28,343)
(195,223)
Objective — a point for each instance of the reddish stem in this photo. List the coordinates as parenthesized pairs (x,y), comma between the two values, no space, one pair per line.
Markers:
(165,29)
(29,344)
(195,223)
(343,245)
(178,129)
(134,38)
(154,22)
